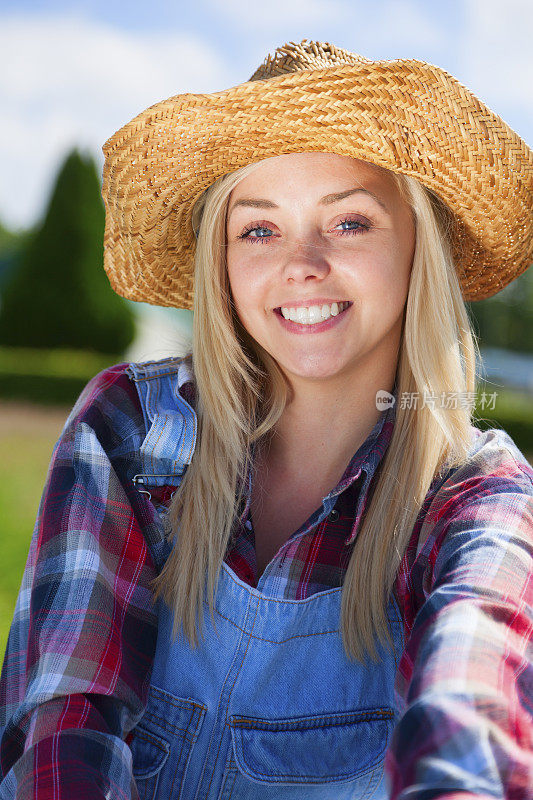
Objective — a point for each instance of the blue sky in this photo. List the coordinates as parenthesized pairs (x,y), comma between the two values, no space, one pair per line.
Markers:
(243,25)
(74,72)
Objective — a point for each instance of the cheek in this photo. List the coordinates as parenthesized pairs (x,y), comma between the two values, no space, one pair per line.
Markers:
(370,271)
(236,278)
(394,284)
(395,259)
(380,282)
(245,290)
(247,280)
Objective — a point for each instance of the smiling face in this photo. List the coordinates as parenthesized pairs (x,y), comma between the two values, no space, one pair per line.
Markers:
(319,253)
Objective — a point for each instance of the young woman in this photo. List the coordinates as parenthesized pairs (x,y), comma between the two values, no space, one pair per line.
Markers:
(288,565)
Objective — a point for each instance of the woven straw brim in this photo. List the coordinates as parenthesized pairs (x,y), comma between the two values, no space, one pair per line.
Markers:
(405,115)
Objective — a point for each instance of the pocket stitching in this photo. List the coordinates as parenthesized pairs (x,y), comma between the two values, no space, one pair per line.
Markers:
(199,718)
(289,723)
(188,734)
(181,704)
(177,702)
(142,733)
(241,762)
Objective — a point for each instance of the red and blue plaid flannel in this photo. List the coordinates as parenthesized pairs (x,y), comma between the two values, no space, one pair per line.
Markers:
(78,661)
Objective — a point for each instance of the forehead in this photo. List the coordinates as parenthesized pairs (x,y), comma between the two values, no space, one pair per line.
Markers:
(308,179)
(298,170)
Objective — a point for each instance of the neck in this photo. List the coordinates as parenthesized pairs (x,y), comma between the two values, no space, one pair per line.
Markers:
(325,422)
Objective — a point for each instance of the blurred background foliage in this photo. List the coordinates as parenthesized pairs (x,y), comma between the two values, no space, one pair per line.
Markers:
(56,293)
(506,320)
(61,323)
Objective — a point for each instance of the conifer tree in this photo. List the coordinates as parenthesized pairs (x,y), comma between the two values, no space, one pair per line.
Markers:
(59,294)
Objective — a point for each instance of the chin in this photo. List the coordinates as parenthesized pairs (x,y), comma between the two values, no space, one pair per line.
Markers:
(312,371)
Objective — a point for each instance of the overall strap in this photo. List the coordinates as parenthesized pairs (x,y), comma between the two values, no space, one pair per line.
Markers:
(171,423)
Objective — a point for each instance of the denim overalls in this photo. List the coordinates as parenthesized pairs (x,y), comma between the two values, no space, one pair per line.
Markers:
(267,705)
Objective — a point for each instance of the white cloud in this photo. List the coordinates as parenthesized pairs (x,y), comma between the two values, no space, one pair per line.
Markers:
(498,56)
(68,81)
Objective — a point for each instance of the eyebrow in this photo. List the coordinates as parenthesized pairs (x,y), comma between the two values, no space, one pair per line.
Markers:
(327,200)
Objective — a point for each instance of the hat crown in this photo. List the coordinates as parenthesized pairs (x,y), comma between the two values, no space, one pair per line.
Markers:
(293,57)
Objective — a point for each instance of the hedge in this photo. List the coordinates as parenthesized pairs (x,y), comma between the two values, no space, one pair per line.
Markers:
(48,377)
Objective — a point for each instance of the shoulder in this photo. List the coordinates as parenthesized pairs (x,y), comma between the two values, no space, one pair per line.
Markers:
(114,402)
(493,449)
(491,491)
(172,377)
(107,410)
(137,416)
(494,465)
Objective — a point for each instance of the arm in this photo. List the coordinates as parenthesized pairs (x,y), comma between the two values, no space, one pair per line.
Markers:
(81,646)
(467,729)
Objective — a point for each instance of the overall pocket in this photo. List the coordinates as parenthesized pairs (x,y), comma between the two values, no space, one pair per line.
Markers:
(343,749)
(162,742)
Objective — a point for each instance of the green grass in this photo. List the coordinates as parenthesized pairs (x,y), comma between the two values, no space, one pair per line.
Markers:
(23,468)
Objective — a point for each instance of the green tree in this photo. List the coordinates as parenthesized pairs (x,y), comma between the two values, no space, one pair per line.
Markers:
(11,244)
(59,294)
(506,320)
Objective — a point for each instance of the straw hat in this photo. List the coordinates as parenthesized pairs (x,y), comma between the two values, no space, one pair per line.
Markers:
(405,115)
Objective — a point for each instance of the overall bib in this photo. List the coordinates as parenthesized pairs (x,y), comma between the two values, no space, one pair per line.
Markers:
(267,705)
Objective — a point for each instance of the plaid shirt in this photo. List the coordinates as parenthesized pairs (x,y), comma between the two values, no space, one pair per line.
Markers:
(78,662)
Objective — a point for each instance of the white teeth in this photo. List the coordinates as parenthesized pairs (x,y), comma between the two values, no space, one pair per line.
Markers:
(313,314)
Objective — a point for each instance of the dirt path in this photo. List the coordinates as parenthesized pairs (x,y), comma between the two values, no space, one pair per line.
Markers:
(30,418)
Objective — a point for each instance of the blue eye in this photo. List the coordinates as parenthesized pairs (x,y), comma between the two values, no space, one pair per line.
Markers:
(361,226)
(262,233)
(261,238)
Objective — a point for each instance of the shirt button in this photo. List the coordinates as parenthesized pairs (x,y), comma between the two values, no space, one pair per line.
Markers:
(333,515)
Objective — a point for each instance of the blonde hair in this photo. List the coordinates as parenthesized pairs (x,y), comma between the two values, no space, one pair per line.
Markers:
(242,393)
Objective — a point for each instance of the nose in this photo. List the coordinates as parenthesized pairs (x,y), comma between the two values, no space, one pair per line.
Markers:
(305,261)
